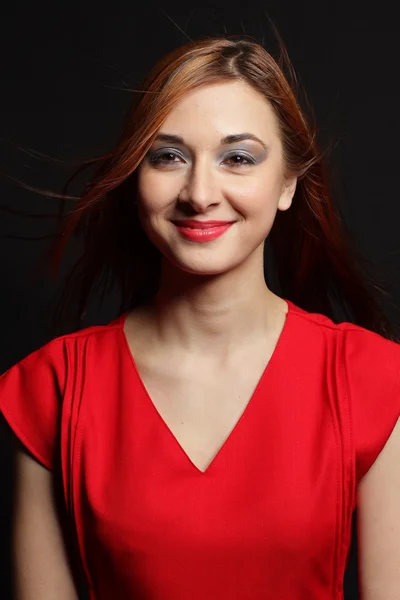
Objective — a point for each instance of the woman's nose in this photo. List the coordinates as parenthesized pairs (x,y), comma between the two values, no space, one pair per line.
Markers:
(201,190)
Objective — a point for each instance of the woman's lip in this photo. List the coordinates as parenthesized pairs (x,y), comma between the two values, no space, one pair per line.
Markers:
(203,234)
(195,224)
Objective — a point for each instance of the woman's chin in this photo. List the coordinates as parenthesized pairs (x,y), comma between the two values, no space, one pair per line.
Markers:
(203,268)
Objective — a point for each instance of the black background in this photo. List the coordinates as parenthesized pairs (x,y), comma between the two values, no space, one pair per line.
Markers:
(68,71)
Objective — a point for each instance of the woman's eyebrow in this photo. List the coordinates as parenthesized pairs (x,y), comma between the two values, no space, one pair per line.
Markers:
(240,137)
(229,139)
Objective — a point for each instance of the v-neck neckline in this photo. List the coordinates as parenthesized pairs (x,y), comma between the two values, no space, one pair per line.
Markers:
(247,409)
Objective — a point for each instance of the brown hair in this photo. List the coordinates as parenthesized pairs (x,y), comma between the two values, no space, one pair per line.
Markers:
(312,260)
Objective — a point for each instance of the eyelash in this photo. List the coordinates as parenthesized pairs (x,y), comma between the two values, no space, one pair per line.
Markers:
(157,160)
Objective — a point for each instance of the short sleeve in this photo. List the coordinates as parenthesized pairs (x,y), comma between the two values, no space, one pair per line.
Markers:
(31,395)
(373,375)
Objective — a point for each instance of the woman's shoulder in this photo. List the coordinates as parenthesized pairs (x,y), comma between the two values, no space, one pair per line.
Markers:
(114,325)
(368,367)
(90,333)
(369,361)
(33,390)
(355,337)
(57,354)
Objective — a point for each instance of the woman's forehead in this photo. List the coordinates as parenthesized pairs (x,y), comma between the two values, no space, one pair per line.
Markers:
(219,110)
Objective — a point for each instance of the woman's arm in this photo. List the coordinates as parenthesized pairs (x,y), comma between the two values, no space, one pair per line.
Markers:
(41,565)
(379,524)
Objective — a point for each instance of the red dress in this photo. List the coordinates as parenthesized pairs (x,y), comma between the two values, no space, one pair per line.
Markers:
(271,515)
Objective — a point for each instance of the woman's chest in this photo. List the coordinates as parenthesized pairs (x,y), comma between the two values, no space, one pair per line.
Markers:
(281,455)
(201,407)
(273,491)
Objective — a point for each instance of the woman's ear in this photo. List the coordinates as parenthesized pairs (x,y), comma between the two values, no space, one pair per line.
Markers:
(288,190)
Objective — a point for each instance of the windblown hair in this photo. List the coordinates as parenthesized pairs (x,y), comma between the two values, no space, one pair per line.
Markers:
(313,263)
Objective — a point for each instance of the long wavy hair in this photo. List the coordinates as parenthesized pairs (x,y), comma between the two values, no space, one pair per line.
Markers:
(312,263)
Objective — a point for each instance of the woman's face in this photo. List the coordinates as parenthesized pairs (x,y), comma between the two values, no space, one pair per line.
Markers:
(217,157)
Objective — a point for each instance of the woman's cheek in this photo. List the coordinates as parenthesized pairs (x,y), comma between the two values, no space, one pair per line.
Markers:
(157,192)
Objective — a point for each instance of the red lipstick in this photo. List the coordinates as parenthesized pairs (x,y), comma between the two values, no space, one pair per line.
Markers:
(201,231)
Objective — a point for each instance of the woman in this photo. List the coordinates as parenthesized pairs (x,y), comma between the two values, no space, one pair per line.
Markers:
(214,440)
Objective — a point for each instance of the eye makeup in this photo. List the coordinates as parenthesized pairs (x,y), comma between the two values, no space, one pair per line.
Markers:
(173,155)
(158,156)
(247,153)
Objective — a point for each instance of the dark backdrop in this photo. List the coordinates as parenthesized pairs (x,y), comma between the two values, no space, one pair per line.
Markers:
(67,69)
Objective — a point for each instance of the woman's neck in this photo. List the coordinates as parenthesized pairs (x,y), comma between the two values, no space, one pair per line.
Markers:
(214,314)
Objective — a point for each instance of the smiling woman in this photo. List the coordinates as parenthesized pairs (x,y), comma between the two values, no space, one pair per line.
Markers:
(217,172)
(213,440)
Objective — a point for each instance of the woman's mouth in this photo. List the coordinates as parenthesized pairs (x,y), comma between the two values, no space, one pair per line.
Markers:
(201,231)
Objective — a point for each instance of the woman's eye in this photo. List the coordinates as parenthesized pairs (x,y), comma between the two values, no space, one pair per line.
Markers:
(166,157)
(169,157)
(237,160)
